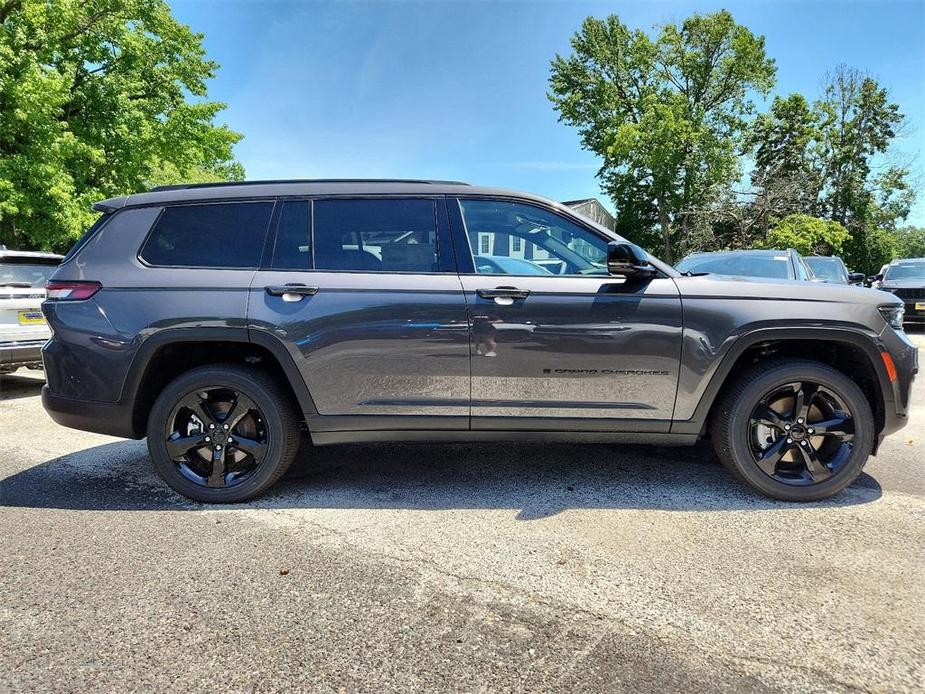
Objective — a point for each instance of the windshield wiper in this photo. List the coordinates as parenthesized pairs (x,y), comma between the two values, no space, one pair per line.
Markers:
(23,285)
(691,273)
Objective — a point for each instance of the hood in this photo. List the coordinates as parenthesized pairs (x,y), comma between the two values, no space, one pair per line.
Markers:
(903,284)
(719,287)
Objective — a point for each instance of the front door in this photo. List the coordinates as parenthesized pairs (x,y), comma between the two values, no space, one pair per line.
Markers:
(365,296)
(556,342)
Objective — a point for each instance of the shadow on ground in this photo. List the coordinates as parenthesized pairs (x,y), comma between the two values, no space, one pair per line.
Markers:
(14,386)
(537,480)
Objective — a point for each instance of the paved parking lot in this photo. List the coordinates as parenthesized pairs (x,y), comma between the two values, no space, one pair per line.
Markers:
(464,567)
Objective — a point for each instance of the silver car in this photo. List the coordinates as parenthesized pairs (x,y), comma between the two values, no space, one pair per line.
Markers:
(23,329)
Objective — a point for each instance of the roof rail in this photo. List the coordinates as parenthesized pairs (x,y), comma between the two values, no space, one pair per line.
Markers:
(187,186)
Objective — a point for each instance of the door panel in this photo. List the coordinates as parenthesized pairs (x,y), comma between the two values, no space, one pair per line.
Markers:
(574,347)
(372,344)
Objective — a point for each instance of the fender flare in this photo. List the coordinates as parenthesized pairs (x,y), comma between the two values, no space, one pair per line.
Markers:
(162,338)
(869,343)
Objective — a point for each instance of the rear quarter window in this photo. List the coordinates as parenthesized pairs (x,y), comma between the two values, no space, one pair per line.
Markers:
(219,235)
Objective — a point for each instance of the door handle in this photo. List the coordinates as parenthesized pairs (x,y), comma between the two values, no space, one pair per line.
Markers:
(291,292)
(503,293)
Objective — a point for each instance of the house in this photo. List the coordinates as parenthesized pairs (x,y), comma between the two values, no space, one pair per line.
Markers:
(593,210)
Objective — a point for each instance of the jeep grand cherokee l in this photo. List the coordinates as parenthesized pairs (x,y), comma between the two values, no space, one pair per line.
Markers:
(218,319)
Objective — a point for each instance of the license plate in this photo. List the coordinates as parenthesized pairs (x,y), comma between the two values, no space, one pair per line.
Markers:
(31,318)
(920,305)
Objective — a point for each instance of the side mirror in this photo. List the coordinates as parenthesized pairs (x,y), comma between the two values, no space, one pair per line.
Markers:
(628,260)
(856,278)
(875,278)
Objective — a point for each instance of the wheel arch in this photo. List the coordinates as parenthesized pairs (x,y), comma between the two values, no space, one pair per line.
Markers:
(838,347)
(170,352)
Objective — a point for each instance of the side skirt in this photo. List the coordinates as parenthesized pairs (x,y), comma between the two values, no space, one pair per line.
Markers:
(327,438)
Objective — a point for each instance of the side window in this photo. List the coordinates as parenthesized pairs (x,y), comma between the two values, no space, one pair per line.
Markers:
(393,235)
(225,235)
(292,250)
(511,238)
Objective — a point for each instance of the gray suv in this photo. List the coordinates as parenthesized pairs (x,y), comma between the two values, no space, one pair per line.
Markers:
(219,320)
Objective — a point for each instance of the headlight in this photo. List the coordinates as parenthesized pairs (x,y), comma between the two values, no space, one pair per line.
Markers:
(893,315)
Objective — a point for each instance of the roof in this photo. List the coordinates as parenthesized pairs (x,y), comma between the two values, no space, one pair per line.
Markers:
(911,261)
(266,189)
(570,203)
(29,255)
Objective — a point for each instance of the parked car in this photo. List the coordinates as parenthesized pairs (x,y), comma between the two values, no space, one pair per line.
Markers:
(831,268)
(765,264)
(218,319)
(906,279)
(492,264)
(23,330)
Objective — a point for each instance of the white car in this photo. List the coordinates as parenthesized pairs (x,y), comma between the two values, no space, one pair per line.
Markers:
(23,330)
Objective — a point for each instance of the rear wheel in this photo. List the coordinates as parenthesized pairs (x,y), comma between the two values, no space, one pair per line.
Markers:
(796,430)
(222,434)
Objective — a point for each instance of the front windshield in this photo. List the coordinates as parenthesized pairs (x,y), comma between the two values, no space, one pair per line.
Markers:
(739,265)
(826,268)
(31,275)
(906,271)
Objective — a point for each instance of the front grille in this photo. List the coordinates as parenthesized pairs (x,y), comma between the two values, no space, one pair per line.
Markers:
(917,293)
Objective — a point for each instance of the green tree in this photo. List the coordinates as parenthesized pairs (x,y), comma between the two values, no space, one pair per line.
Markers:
(857,124)
(666,114)
(98,98)
(787,167)
(910,242)
(808,235)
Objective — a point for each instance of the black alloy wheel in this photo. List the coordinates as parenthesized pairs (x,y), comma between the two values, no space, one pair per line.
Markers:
(801,433)
(216,436)
(223,433)
(794,429)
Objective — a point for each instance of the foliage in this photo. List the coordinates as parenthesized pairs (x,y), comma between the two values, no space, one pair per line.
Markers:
(787,168)
(858,122)
(808,235)
(910,242)
(666,113)
(98,98)
(671,117)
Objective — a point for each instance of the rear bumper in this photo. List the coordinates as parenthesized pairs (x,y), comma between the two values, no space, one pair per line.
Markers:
(110,418)
(21,352)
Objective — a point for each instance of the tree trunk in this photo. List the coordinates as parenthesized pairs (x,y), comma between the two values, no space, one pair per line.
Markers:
(666,228)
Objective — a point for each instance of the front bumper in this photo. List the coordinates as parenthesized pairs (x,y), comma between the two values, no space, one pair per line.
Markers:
(913,316)
(896,403)
(21,353)
(110,418)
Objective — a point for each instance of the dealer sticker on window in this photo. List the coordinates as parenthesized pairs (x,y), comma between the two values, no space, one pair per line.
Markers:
(31,318)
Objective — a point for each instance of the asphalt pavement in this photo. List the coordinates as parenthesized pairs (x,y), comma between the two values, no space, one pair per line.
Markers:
(489,567)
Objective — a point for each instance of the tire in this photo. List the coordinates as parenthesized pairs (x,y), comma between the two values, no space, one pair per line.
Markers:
(256,449)
(747,437)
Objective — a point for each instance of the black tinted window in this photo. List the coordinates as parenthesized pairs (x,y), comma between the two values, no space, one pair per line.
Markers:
(375,235)
(293,237)
(221,235)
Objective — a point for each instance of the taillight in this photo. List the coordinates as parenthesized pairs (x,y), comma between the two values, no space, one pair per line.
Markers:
(71,291)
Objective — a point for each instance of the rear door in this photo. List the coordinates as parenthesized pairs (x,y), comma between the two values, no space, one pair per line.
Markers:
(364,294)
(558,343)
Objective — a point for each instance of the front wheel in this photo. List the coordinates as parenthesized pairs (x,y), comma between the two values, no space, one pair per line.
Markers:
(795,430)
(222,434)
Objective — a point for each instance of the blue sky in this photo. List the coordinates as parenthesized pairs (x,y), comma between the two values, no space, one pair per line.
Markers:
(458,90)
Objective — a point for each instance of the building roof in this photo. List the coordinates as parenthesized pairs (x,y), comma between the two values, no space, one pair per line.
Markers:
(572,203)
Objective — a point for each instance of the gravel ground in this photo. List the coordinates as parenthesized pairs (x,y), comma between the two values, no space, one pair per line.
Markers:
(453,567)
